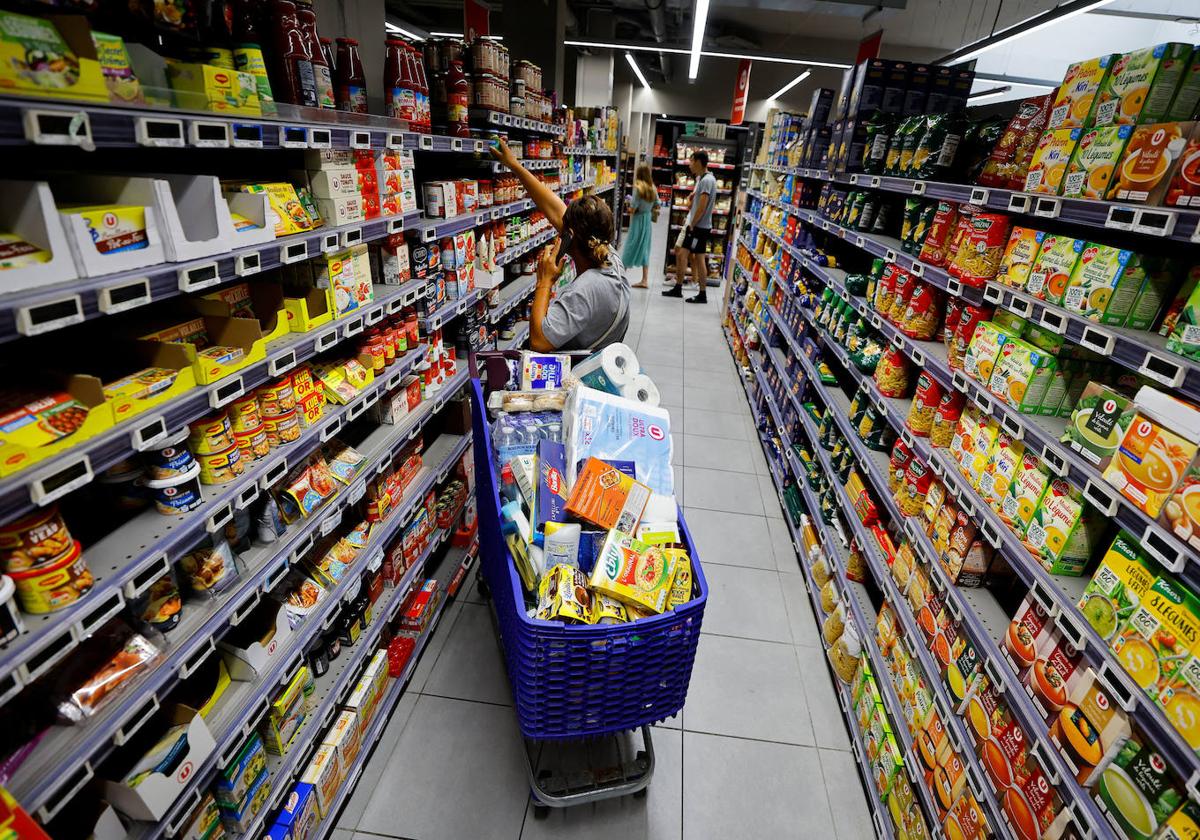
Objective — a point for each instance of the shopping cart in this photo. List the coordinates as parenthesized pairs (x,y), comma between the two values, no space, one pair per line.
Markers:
(590,684)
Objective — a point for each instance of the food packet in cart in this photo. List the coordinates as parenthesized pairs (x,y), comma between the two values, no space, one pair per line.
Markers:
(563,595)
(681,583)
(606,496)
(634,573)
(610,611)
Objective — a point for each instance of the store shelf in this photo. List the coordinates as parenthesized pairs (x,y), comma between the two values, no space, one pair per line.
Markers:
(517,342)
(1158,222)
(46,480)
(588,150)
(90,126)
(678,188)
(450,310)
(711,164)
(244,703)
(331,690)
(518,123)
(44,309)
(512,295)
(532,164)
(434,228)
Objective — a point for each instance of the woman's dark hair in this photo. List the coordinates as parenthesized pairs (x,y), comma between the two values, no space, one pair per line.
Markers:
(701,156)
(591,223)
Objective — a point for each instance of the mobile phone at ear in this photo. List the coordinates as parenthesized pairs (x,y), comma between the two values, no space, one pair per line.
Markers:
(565,240)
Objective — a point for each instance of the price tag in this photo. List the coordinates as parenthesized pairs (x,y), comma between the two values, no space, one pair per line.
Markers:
(875,181)
(1162,369)
(859,242)
(330,522)
(1019,203)
(58,128)
(918,188)
(247,136)
(890,255)
(282,363)
(52,315)
(293,253)
(208,135)
(326,340)
(1055,461)
(226,392)
(979,196)
(321,138)
(1155,222)
(158,132)
(1098,340)
(293,137)
(247,263)
(395,140)
(1120,217)
(199,277)
(1163,548)
(917,269)
(149,432)
(1054,321)
(425,142)
(353,236)
(1048,208)
(360,139)
(123,297)
(854,179)
(1013,428)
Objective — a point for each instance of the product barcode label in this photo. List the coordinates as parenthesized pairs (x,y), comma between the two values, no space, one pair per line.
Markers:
(1033,180)
(1073,299)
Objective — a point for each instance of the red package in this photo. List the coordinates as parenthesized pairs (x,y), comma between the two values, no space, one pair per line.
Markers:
(962,228)
(923,313)
(979,256)
(970,318)
(941,229)
(1008,162)
(898,465)
(905,283)
(399,650)
(954,308)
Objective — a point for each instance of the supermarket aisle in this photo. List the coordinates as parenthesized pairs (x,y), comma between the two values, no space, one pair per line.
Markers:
(761,748)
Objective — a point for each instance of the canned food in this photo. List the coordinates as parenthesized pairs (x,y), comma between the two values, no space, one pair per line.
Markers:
(54,586)
(253,444)
(33,541)
(282,428)
(221,467)
(170,458)
(244,414)
(211,434)
(276,398)
(176,496)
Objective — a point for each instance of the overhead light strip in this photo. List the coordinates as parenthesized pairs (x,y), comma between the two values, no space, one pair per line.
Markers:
(699,21)
(460,35)
(655,48)
(1058,14)
(789,86)
(393,29)
(637,71)
(989,93)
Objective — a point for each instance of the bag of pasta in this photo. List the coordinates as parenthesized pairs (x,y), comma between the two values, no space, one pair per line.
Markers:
(898,465)
(937,240)
(829,597)
(962,229)
(911,496)
(834,624)
(905,283)
(885,289)
(923,312)
(954,307)
(856,564)
(867,357)
(945,420)
(891,374)
(924,405)
(845,653)
(970,318)
(978,258)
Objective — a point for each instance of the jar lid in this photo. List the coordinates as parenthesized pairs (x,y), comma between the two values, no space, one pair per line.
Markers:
(192,472)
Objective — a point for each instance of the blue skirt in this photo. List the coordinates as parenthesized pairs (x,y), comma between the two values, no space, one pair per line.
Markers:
(636,250)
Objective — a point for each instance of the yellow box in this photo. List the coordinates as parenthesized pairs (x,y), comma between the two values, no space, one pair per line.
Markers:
(1076,97)
(69,69)
(114,228)
(205,87)
(260,300)
(324,773)
(163,372)
(983,351)
(1001,468)
(347,278)
(1048,167)
(239,333)
(25,435)
(305,314)
(290,213)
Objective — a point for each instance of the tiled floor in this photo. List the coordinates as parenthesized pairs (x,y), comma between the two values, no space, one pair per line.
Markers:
(760,750)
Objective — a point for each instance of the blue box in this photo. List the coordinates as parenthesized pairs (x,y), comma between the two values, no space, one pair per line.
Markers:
(552,494)
(299,813)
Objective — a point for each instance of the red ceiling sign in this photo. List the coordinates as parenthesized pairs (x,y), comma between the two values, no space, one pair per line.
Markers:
(741,89)
(475,20)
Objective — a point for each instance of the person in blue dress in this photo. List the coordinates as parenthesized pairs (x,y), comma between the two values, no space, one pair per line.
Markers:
(637,241)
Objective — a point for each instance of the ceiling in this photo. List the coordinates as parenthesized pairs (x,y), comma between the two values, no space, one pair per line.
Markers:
(830,30)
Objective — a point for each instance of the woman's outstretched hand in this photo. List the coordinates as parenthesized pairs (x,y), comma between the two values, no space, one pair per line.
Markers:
(502,153)
(550,265)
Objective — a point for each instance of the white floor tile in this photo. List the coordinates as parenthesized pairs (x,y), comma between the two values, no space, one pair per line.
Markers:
(823,708)
(847,800)
(718,424)
(719,453)
(805,630)
(734,539)
(373,771)
(786,558)
(471,666)
(747,603)
(719,490)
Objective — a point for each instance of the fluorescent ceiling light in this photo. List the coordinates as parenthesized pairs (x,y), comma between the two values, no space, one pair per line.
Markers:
(1037,22)
(989,93)
(637,71)
(460,35)
(396,30)
(789,86)
(654,48)
(699,21)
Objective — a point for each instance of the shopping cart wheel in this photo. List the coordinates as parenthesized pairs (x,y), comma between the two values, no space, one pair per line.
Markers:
(482,587)
(540,811)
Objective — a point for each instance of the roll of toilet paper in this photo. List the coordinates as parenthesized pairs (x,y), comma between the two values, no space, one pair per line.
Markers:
(608,370)
(642,389)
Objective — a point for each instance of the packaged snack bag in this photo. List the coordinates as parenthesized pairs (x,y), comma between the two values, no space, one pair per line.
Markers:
(1095,160)
(1050,158)
(1077,94)
(978,257)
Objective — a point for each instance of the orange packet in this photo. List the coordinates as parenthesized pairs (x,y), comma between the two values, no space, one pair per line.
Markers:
(608,497)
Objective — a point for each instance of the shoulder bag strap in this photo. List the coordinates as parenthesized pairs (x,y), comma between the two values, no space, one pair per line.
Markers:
(602,341)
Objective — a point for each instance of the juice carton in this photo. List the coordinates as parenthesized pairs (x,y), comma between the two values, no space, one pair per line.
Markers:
(1151,158)
(1024,493)
(1160,634)
(1052,269)
(1095,160)
(1021,374)
(986,344)
(1063,529)
(1187,96)
(1158,449)
(1098,423)
(1184,335)
(1140,85)
(1104,284)
(1001,468)
(962,445)
(1118,586)
(1140,789)
(1050,159)
(1022,249)
(1181,513)
(1076,97)
(1184,189)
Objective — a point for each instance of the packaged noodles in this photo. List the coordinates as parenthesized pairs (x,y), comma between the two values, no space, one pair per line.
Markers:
(634,573)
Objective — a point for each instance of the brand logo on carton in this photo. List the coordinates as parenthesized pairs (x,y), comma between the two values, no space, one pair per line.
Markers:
(185,772)
(656,432)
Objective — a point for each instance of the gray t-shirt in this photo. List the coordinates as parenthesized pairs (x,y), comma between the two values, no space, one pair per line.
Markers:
(582,313)
(706,184)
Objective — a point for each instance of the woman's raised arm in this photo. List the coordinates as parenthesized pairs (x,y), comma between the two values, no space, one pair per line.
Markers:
(542,196)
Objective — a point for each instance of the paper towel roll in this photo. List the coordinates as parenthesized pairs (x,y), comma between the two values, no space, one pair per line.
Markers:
(608,370)
(642,389)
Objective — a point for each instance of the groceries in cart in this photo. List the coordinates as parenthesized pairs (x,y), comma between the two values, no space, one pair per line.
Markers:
(587,489)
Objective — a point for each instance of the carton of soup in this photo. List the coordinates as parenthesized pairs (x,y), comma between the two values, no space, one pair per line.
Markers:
(1158,449)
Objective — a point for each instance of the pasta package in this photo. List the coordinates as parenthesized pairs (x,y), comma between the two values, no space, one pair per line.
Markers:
(937,240)
(905,283)
(891,374)
(633,572)
(1009,159)
(945,420)
(885,289)
(925,404)
(978,258)
(923,313)
(1020,252)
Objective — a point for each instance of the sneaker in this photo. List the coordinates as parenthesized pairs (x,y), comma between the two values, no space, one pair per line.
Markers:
(700,298)
(674,291)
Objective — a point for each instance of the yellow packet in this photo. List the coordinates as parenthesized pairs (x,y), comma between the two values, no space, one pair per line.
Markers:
(634,573)
(563,596)
(681,583)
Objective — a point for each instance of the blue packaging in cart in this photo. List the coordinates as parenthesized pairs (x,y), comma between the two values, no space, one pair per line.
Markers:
(540,371)
(551,504)
(608,427)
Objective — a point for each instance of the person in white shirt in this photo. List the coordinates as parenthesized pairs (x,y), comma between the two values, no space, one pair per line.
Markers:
(697,231)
